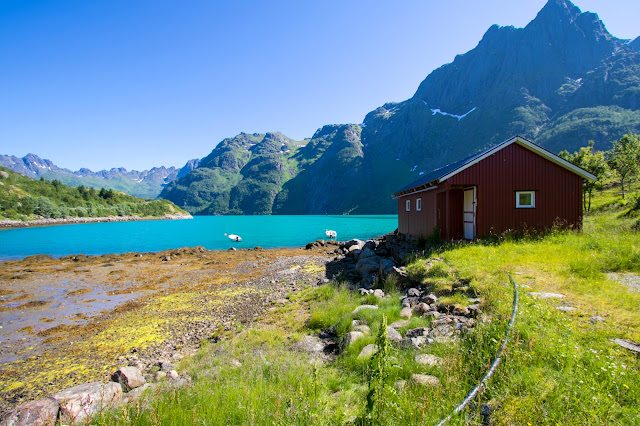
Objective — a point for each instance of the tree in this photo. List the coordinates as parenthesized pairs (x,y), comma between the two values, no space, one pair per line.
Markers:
(593,162)
(624,158)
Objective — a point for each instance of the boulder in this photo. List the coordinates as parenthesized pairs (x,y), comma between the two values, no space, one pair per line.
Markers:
(413,292)
(399,324)
(385,266)
(135,394)
(421,308)
(83,401)
(361,307)
(370,245)
(409,302)
(351,337)
(354,253)
(362,328)
(368,265)
(415,332)
(173,375)
(310,344)
(128,377)
(39,412)
(401,276)
(428,359)
(425,380)
(368,351)
(378,293)
(358,244)
(367,253)
(429,299)
(393,335)
(406,313)
(364,291)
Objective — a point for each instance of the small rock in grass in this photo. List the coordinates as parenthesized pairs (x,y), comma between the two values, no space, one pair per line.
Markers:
(425,380)
(546,295)
(362,328)
(351,337)
(378,293)
(173,375)
(428,359)
(166,366)
(399,324)
(282,301)
(363,291)
(596,319)
(432,314)
(82,401)
(136,393)
(421,308)
(393,335)
(430,299)
(160,375)
(368,351)
(361,307)
(413,292)
(406,313)
(566,308)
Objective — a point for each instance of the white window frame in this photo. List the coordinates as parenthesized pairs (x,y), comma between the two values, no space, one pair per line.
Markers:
(419,204)
(408,205)
(526,206)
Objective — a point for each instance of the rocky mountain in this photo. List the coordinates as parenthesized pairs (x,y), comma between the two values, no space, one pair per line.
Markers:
(560,81)
(145,184)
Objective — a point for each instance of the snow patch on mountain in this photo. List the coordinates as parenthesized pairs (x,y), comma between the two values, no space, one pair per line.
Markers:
(459,117)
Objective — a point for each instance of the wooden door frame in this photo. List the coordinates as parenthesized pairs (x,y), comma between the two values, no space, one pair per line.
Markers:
(474,212)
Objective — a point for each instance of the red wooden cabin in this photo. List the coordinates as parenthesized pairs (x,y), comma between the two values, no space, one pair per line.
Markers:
(515,185)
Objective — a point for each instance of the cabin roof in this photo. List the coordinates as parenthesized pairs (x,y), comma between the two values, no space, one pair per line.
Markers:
(438,175)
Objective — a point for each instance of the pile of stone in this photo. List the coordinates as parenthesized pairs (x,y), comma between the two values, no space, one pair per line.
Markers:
(79,403)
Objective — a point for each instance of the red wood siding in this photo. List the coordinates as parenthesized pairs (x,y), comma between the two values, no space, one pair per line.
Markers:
(497,178)
(414,222)
(514,168)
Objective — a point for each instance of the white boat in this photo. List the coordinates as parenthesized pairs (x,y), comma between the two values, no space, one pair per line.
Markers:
(331,234)
(234,237)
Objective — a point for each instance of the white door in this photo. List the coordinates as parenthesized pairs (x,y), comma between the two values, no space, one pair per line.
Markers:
(469,213)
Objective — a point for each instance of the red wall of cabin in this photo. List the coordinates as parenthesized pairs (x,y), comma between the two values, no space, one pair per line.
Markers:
(497,178)
(515,168)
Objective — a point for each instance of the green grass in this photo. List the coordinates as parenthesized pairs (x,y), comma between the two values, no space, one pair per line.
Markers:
(558,368)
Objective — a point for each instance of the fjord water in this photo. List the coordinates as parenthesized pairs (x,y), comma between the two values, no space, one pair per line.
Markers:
(206,231)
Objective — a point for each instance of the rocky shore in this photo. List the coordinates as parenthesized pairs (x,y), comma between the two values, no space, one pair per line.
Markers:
(7,223)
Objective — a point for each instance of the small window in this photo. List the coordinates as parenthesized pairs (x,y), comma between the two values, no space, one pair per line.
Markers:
(525,199)
(419,204)
(408,205)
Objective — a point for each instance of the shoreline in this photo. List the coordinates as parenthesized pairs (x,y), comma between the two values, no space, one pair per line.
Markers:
(8,223)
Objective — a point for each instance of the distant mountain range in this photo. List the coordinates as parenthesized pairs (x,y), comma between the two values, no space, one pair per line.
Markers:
(144,184)
(561,81)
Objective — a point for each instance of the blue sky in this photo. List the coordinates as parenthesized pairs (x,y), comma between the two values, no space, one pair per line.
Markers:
(137,84)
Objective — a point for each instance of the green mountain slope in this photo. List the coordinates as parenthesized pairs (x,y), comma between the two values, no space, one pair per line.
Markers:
(560,81)
(23,198)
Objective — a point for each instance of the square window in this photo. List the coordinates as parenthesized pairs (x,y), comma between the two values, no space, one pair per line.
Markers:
(525,199)
(408,205)
(419,204)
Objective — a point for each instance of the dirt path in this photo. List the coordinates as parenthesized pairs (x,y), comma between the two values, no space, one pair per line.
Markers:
(66,321)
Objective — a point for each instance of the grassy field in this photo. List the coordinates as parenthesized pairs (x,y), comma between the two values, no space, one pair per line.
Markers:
(558,367)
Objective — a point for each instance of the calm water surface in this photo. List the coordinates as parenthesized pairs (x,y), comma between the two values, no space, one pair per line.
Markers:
(207,231)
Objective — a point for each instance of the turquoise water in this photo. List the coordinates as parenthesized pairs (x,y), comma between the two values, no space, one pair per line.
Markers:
(207,231)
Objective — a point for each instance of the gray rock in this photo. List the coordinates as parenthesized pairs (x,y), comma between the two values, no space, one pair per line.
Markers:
(421,308)
(39,412)
(351,337)
(354,253)
(159,376)
(428,359)
(83,401)
(355,323)
(432,314)
(385,266)
(414,332)
(368,351)
(370,245)
(310,344)
(378,293)
(399,324)
(409,301)
(173,375)
(393,335)
(359,244)
(413,292)
(628,344)
(366,253)
(430,299)
(361,307)
(362,329)
(425,380)
(364,291)
(128,377)
(546,295)
(406,313)
(566,308)
(596,319)
(166,366)
(369,265)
